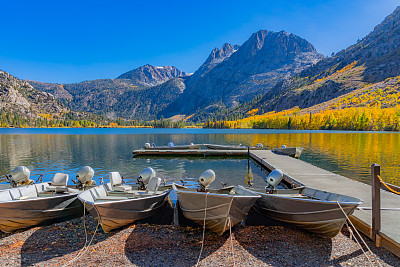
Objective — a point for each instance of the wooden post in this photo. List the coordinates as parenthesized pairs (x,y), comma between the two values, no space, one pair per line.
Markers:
(376,203)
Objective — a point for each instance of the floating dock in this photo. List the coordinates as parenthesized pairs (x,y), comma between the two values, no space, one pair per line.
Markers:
(318,178)
(189,152)
(315,177)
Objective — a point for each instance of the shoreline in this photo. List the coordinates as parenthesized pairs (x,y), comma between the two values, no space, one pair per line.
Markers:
(167,245)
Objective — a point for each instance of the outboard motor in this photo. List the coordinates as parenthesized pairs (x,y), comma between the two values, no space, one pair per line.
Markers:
(259,145)
(84,176)
(20,176)
(273,179)
(205,180)
(147,145)
(145,176)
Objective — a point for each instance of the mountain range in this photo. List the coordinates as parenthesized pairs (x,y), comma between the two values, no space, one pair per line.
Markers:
(271,71)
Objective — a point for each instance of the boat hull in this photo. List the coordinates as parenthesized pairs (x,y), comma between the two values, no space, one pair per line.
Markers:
(294,152)
(116,214)
(22,214)
(324,218)
(221,212)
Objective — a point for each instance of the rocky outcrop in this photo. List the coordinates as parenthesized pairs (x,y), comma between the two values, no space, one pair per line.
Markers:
(258,65)
(19,97)
(373,59)
(216,57)
(148,75)
(128,96)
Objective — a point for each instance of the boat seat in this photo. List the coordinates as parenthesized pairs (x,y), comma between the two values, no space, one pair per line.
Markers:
(15,193)
(28,192)
(153,185)
(58,183)
(41,187)
(5,196)
(116,182)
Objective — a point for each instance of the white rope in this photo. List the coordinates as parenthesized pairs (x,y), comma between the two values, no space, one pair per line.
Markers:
(230,235)
(204,232)
(86,246)
(359,235)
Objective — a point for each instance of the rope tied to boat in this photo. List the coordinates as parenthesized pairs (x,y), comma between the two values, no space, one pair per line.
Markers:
(360,237)
(204,231)
(230,236)
(87,245)
(386,186)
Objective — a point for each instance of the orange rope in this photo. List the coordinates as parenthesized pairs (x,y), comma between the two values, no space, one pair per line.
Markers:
(388,188)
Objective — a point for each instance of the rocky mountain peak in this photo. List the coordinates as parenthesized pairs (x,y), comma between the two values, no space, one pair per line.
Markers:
(265,59)
(217,56)
(149,75)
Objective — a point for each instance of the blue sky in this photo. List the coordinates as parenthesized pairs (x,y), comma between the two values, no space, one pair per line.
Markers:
(72,41)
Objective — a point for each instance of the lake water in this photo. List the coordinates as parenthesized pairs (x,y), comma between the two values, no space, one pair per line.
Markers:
(47,151)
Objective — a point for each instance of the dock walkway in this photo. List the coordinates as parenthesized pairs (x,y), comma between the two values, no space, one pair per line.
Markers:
(315,177)
(189,152)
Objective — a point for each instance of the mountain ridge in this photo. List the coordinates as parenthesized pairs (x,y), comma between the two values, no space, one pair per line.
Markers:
(263,60)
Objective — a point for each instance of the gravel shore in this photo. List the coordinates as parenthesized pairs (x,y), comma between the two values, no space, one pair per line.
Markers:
(166,245)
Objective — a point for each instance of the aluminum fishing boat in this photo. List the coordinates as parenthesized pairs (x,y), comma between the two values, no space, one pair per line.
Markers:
(294,152)
(115,204)
(217,209)
(307,208)
(43,203)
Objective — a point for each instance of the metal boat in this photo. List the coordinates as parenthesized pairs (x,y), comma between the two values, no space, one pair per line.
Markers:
(307,208)
(294,152)
(171,146)
(40,204)
(217,209)
(115,204)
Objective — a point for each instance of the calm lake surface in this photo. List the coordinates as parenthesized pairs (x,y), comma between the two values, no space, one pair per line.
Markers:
(47,151)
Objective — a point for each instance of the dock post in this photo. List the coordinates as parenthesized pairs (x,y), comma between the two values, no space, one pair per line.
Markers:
(376,204)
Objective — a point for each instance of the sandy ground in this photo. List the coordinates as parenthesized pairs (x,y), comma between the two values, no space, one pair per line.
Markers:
(165,245)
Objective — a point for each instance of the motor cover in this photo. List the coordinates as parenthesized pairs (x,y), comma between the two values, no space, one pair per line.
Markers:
(147,174)
(274,178)
(206,178)
(85,175)
(20,175)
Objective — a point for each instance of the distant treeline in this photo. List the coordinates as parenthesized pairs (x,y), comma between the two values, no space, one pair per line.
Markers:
(354,118)
(71,119)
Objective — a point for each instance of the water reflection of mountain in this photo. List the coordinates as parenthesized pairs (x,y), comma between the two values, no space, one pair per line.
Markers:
(349,154)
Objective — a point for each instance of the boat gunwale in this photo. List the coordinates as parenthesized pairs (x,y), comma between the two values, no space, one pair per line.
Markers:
(216,194)
(308,199)
(122,200)
(303,212)
(38,198)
